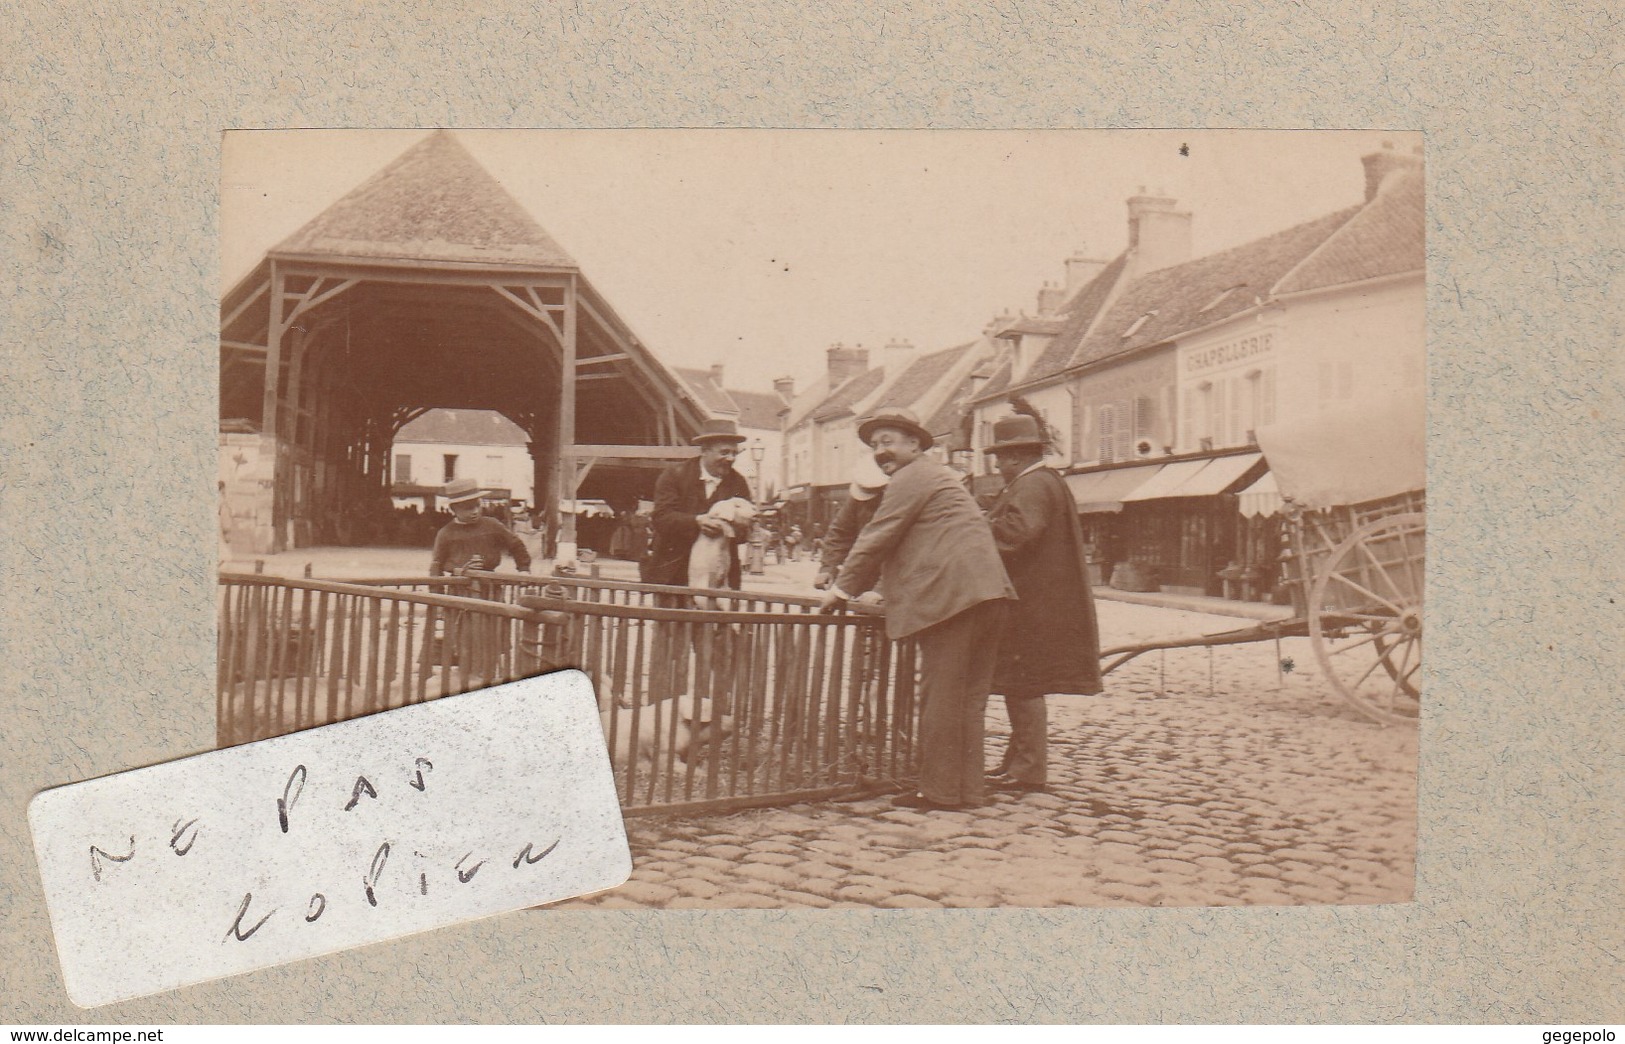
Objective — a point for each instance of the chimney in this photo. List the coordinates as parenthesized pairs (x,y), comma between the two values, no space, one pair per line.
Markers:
(1383,162)
(998,322)
(899,346)
(1159,235)
(716,374)
(1080,268)
(1051,298)
(845,363)
(786,387)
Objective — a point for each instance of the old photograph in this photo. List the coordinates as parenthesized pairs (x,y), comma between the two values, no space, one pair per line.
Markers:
(945,519)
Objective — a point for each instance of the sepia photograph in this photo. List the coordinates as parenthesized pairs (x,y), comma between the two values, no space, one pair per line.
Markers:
(945,519)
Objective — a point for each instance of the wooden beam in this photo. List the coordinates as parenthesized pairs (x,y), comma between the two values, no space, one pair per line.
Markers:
(639,452)
(244,346)
(240,309)
(594,360)
(312,299)
(598,377)
(567,411)
(540,315)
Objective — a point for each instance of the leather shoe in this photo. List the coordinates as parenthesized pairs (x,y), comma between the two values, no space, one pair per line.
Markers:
(920,801)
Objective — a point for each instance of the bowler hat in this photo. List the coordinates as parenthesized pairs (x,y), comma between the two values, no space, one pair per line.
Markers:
(459,490)
(717,429)
(1014,432)
(901,420)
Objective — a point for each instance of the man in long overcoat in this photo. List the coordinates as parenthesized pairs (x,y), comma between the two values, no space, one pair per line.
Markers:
(1051,640)
(929,545)
(684,493)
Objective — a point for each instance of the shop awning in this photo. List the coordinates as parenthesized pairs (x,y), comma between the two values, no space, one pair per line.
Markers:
(1217,476)
(1262,498)
(1099,491)
(1166,481)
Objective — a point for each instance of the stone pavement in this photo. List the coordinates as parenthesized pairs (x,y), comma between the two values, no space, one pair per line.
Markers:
(1265,792)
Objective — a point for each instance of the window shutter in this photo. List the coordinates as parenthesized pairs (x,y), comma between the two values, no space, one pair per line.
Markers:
(1266,408)
(1144,416)
(1238,398)
(1105,413)
(1123,430)
(1187,434)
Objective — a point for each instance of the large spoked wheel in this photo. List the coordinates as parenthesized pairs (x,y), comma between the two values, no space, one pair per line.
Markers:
(1365,618)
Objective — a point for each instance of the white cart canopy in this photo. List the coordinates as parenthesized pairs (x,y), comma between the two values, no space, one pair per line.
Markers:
(1350,454)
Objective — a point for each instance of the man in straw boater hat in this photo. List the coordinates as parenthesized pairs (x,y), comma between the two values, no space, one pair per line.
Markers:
(471,540)
(862,498)
(930,548)
(684,496)
(1051,641)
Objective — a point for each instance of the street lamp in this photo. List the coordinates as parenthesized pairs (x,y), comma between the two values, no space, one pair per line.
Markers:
(757,452)
(756,551)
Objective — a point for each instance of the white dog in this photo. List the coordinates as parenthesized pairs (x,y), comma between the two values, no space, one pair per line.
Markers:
(698,724)
(711,556)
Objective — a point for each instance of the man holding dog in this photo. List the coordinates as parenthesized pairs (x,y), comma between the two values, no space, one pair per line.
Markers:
(1051,642)
(683,495)
(930,547)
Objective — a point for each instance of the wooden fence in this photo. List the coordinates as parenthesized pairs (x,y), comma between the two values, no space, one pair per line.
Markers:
(763,701)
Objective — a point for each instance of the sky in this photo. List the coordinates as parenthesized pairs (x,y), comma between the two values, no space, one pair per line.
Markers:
(759,249)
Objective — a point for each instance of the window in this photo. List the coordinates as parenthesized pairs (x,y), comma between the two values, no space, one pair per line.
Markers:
(450,469)
(403,467)
(1116,438)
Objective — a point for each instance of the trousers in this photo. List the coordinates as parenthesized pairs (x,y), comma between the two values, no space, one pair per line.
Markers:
(957,658)
(1027,758)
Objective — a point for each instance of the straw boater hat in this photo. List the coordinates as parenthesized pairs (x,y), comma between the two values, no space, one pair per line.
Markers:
(1016,432)
(867,480)
(717,429)
(459,490)
(901,420)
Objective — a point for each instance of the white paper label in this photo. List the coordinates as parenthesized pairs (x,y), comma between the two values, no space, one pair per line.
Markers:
(349,834)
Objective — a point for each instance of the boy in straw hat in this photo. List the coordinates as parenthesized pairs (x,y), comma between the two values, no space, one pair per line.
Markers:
(470,540)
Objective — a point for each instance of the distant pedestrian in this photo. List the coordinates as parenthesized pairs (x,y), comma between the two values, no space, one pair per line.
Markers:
(793,542)
(929,546)
(1051,642)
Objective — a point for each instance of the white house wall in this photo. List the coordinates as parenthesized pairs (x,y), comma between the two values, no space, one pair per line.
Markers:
(508,467)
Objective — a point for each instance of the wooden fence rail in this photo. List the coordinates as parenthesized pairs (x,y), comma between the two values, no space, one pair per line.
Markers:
(765,702)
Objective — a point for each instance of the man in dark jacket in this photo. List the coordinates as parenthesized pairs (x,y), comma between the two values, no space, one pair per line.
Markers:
(1052,642)
(861,500)
(683,495)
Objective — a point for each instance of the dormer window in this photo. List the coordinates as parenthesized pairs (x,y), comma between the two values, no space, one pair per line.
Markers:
(1134,327)
(1221,297)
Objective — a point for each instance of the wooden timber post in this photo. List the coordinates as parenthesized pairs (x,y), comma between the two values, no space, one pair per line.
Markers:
(567,419)
(268,407)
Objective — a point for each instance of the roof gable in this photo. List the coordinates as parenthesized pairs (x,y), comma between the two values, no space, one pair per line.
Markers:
(434,203)
(1080,312)
(1170,301)
(463,427)
(1387,237)
(713,397)
(758,409)
(845,398)
(920,377)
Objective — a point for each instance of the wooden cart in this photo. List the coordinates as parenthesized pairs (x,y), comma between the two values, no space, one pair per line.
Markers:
(1352,483)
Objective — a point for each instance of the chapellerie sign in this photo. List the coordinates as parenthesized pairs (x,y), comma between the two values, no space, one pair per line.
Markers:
(1229,353)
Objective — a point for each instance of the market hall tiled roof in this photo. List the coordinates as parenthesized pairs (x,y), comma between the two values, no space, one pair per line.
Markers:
(434,203)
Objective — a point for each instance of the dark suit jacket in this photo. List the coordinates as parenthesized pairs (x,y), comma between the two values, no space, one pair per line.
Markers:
(1052,643)
(930,546)
(679,497)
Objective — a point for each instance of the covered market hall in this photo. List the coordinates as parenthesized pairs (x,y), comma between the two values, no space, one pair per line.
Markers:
(426,287)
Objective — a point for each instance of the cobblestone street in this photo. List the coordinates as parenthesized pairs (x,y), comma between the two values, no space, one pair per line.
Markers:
(1267,791)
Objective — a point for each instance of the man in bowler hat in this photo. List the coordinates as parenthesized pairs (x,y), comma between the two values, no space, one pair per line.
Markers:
(1051,641)
(683,495)
(929,547)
